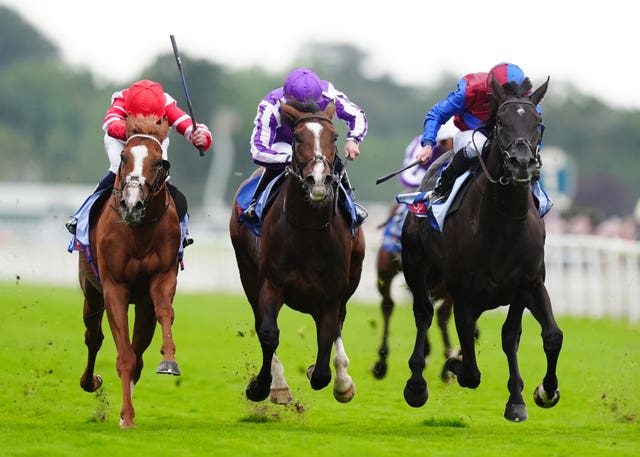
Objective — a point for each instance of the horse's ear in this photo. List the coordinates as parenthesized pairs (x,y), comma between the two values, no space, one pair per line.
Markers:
(540,92)
(498,90)
(164,127)
(289,114)
(330,110)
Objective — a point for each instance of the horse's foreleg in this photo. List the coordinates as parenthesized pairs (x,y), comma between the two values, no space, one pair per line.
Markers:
(515,409)
(415,391)
(444,314)
(466,370)
(143,330)
(93,311)
(116,300)
(343,387)
(266,325)
(547,394)
(327,329)
(385,278)
(280,392)
(162,290)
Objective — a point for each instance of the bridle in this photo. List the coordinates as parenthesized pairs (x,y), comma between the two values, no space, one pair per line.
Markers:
(506,146)
(154,188)
(297,167)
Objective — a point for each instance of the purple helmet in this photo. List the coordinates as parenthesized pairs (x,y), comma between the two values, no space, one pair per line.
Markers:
(303,85)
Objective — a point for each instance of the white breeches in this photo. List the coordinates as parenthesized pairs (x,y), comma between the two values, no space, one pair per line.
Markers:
(470,142)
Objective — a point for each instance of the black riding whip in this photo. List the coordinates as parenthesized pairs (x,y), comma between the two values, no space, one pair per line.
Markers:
(184,85)
(397,172)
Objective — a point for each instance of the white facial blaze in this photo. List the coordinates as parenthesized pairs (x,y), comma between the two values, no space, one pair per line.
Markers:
(318,169)
(521,111)
(135,180)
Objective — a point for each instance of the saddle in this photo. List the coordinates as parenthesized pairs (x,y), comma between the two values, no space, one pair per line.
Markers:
(264,201)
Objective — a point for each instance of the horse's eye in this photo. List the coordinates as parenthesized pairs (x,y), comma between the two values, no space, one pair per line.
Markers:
(123,158)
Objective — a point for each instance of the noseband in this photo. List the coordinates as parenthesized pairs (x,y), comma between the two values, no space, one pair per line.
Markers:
(299,167)
(157,184)
(506,146)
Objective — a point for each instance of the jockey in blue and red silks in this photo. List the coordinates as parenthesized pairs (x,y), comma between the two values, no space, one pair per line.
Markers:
(271,140)
(469,106)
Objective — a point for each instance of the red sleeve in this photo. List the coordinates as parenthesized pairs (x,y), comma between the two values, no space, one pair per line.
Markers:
(114,124)
(117,129)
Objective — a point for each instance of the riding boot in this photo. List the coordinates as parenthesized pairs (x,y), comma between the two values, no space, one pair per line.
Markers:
(455,168)
(105,183)
(250,214)
(183,216)
(361,213)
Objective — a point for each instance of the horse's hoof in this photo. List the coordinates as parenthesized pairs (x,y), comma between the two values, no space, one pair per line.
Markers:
(347,395)
(168,367)
(447,376)
(256,393)
(516,413)
(95,385)
(379,369)
(281,396)
(542,399)
(416,396)
(126,424)
(310,371)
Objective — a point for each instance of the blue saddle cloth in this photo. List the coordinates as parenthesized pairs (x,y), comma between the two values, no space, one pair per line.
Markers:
(80,241)
(393,230)
(419,202)
(246,192)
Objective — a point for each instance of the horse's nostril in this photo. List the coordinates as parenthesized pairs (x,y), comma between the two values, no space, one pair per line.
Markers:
(328,179)
(309,181)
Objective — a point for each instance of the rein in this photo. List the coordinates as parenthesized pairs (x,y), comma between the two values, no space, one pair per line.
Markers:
(296,169)
(504,179)
(159,182)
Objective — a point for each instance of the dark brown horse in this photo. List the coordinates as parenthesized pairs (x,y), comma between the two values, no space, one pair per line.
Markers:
(305,258)
(490,254)
(388,266)
(135,245)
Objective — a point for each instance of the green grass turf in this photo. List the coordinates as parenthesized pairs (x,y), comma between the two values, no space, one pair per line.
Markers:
(43,410)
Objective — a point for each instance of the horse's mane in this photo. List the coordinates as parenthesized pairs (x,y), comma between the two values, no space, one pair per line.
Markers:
(147,125)
(305,107)
(511,89)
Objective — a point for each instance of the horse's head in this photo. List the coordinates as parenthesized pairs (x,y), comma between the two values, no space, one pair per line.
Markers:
(314,150)
(142,169)
(518,128)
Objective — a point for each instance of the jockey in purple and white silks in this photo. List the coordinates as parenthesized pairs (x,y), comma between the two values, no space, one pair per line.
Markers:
(271,139)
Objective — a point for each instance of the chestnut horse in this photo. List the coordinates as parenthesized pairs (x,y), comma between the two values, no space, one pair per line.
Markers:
(388,266)
(135,245)
(306,257)
(489,254)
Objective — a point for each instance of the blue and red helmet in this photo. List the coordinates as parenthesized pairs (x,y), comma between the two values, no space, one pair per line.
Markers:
(505,72)
(303,85)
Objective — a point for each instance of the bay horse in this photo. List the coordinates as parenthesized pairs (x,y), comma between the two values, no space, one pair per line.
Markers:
(306,257)
(388,266)
(135,244)
(489,254)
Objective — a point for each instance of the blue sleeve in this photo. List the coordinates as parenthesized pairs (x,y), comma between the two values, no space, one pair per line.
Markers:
(442,111)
